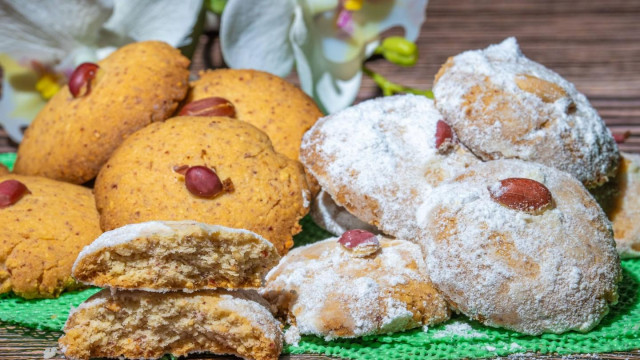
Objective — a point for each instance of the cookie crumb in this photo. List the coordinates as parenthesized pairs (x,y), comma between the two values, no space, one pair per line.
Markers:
(50,352)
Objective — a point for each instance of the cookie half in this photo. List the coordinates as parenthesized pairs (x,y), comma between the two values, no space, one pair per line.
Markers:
(176,255)
(328,290)
(142,325)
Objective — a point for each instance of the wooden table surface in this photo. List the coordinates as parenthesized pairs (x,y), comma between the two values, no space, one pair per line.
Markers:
(594,44)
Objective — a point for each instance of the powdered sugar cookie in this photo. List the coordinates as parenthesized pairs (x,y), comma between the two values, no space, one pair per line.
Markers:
(138,324)
(335,218)
(374,158)
(503,105)
(623,205)
(176,255)
(369,285)
(521,246)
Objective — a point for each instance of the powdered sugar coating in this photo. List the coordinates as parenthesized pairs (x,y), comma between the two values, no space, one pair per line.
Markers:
(552,272)
(335,218)
(375,157)
(550,122)
(325,291)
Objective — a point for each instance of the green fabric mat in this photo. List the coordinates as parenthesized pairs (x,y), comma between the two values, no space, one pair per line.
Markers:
(458,338)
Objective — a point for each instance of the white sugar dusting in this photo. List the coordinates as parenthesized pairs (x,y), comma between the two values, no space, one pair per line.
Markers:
(457,329)
(383,153)
(335,290)
(566,133)
(551,272)
(335,218)
(49,352)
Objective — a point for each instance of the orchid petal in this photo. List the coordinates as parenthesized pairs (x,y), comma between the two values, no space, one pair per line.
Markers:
(34,30)
(165,20)
(254,35)
(20,102)
(377,16)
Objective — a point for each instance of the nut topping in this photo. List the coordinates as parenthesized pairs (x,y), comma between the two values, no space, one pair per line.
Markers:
(361,243)
(202,181)
(444,135)
(212,106)
(521,194)
(81,78)
(11,191)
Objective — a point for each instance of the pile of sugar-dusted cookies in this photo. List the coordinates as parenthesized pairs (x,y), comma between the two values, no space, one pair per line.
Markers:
(478,202)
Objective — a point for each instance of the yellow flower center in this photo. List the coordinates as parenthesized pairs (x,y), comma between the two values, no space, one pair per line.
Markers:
(47,86)
(353,5)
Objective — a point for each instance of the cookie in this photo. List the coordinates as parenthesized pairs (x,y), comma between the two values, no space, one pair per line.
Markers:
(42,233)
(137,324)
(264,192)
(162,256)
(335,218)
(268,102)
(521,246)
(4,170)
(503,105)
(333,290)
(623,206)
(374,158)
(71,138)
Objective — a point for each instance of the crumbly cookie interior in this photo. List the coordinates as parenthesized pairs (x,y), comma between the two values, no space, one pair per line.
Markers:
(191,262)
(151,325)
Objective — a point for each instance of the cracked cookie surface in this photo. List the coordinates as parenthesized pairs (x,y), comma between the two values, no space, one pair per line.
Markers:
(41,235)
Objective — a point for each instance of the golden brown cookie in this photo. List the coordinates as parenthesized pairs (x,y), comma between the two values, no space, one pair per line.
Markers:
(138,324)
(42,233)
(522,246)
(71,138)
(264,191)
(376,157)
(3,170)
(369,285)
(622,205)
(163,256)
(268,102)
(503,105)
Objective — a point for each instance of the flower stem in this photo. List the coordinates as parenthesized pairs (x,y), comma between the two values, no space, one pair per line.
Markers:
(390,88)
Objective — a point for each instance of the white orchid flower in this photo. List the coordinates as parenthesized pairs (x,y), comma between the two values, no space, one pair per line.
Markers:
(327,40)
(48,39)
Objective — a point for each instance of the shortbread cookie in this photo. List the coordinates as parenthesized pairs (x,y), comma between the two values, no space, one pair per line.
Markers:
(176,255)
(147,178)
(521,246)
(370,285)
(273,105)
(3,170)
(42,233)
(503,105)
(335,218)
(71,138)
(624,206)
(374,158)
(142,325)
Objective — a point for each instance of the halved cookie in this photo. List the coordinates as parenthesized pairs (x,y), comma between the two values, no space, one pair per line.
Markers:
(142,325)
(176,255)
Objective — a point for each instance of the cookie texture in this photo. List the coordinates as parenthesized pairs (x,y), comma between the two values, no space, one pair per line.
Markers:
(335,218)
(162,256)
(324,290)
(374,158)
(3,170)
(503,105)
(547,271)
(268,192)
(622,205)
(41,235)
(268,102)
(71,138)
(143,325)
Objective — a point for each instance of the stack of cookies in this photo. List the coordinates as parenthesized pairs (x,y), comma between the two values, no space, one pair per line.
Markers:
(168,292)
(492,181)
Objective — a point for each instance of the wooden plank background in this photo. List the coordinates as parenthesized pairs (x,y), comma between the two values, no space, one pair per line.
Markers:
(594,44)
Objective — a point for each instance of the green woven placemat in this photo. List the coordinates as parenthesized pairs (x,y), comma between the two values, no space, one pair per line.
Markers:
(8,159)
(458,338)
